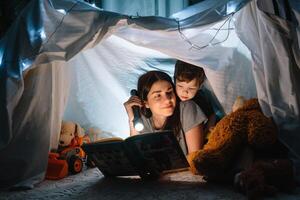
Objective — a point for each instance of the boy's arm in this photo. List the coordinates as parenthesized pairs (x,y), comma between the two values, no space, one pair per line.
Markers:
(192,124)
(195,138)
(195,142)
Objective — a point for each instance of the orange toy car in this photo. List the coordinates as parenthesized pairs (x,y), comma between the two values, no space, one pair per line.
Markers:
(66,160)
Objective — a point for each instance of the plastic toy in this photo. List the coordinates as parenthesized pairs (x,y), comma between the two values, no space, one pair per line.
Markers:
(66,160)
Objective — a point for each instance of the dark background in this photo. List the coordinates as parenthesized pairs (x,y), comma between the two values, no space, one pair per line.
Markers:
(9,10)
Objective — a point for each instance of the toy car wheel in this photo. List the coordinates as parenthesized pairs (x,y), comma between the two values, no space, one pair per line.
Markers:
(75,165)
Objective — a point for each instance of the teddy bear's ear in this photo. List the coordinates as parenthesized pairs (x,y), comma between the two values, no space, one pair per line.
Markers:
(239,102)
(78,130)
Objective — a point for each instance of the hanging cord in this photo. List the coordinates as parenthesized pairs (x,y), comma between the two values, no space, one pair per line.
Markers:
(197,47)
(32,55)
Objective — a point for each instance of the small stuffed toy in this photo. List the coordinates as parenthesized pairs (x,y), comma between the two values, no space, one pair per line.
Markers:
(71,134)
(245,126)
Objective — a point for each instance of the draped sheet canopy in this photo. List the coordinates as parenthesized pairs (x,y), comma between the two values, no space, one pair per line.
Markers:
(67,60)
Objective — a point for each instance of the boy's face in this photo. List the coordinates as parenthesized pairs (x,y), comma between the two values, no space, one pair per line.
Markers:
(186,90)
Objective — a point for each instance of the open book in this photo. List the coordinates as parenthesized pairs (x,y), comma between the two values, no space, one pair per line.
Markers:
(146,155)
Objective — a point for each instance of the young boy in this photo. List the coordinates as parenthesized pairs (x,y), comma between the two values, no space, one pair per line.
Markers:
(188,79)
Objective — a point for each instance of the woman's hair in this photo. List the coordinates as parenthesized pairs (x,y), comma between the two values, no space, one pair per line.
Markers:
(187,72)
(145,83)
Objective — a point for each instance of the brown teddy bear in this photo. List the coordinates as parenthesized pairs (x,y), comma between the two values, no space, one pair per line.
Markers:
(265,178)
(245,126)
(244,133)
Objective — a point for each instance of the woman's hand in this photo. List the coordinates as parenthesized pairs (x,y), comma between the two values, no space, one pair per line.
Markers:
(132,101)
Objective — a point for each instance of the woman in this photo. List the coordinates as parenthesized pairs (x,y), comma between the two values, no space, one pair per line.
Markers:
(160,110)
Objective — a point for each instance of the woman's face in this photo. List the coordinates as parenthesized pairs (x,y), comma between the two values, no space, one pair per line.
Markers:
(161,99)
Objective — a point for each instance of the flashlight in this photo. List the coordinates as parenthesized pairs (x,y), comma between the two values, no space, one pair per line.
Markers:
(137,120)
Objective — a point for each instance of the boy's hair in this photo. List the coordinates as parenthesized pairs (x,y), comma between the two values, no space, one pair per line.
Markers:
(187,72)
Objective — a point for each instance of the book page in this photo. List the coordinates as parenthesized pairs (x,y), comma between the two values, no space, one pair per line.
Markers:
(159,150)
(110,158)
(111,139)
